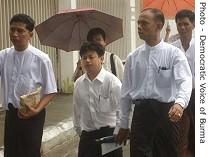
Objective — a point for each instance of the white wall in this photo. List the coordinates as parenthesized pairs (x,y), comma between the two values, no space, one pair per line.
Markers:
(67,60)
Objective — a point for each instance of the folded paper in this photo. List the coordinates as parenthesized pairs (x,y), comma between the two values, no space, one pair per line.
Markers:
(31,99)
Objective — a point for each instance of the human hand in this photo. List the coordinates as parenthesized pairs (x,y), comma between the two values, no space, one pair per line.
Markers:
(30,112)
(79,65)
(122,136)
(175,113)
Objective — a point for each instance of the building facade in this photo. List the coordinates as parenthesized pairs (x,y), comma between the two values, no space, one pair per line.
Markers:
(64,63)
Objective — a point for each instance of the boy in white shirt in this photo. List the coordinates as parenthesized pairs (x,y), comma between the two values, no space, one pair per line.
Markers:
(96,102)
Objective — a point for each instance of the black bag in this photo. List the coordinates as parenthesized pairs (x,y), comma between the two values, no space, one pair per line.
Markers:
(113,68)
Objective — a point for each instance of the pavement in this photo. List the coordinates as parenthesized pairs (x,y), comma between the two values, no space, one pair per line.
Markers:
(59,138)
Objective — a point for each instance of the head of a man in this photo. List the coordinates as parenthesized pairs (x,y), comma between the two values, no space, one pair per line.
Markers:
(97,35)
(21,31)
(150,23)
(92,55)
(185,22)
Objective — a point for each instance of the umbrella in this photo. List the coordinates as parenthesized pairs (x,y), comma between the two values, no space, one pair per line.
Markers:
(68,29)
(169,7)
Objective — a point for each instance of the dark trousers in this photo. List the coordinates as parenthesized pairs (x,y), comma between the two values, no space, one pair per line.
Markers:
(186,144)
(22,138)
(192,123)
(88,147)
(152,133)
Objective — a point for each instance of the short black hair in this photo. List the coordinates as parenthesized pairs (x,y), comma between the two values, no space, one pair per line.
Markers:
(91,46)
(95,31)
(158,14)
(185,13)
(23,18)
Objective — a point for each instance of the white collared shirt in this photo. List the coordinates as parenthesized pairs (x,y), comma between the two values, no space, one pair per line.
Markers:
(117,62)
(160,72)
(96,102)
(190,54)
(22,72)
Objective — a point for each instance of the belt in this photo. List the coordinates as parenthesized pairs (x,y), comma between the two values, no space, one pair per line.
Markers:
(11,106)
(93,132)
(148,101)
(143,101)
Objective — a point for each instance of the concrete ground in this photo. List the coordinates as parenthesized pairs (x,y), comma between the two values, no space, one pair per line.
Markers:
(59,138)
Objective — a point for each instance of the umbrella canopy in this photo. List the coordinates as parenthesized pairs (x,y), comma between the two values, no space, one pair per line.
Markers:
(68,29)
(169,7)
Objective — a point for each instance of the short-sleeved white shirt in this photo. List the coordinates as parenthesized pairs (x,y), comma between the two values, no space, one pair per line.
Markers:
(22,72)
(117,62)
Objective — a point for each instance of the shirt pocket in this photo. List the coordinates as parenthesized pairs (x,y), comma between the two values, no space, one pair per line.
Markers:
(104,104)
(164,78)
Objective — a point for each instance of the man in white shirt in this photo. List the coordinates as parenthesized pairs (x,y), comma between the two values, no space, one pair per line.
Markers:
(111,63)
(185,21)
(157,79)
(23,68)
(96,102)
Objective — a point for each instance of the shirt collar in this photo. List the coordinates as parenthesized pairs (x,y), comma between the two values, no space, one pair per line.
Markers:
(192,41)
(156,47)
(21,52)
(100,77)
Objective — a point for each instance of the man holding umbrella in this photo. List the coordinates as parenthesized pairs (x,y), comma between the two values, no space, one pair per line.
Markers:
(111,62)
(68,29)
